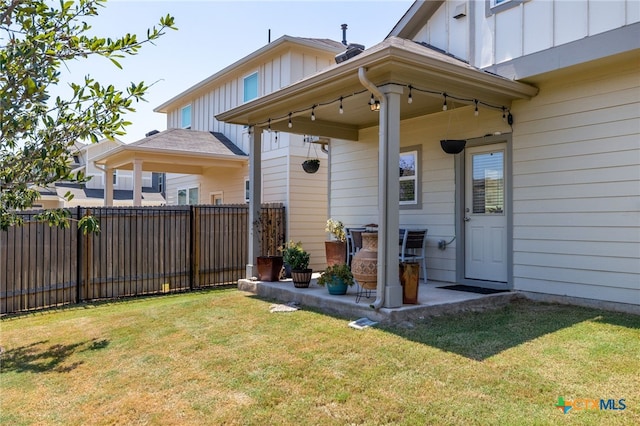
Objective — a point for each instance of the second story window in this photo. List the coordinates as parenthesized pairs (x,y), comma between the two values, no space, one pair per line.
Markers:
(185,117)
(250,87)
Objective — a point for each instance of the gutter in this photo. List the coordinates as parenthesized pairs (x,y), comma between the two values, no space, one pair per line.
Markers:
(382,179)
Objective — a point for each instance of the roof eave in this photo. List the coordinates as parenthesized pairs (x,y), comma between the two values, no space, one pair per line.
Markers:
(124,150)
(391,52)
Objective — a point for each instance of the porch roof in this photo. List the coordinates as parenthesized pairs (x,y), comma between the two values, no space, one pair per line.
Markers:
(393,61)
(176,151)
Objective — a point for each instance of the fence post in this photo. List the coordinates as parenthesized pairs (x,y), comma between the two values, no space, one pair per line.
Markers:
(78,257)
(192,261)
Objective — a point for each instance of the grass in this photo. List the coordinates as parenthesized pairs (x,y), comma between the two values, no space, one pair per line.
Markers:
(220,357)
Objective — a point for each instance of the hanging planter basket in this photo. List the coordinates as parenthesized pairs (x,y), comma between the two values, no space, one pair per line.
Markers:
(311,166)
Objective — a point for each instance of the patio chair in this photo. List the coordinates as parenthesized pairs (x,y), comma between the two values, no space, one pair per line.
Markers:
(354,242)
(414,248)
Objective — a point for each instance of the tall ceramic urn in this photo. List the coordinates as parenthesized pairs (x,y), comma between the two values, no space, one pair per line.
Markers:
(364,265)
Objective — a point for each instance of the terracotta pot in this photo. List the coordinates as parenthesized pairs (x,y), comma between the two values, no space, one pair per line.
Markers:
(364,265)
(410,280)
(301,277)
(269,268)
(336,252)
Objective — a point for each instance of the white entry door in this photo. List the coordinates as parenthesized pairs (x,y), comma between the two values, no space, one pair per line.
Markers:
(485,218)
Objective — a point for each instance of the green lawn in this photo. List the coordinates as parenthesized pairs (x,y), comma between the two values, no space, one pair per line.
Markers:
(221,357)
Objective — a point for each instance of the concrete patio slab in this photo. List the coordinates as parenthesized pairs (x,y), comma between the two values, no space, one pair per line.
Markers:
(432,300)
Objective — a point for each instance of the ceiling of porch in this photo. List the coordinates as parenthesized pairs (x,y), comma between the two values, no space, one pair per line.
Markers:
(395,61)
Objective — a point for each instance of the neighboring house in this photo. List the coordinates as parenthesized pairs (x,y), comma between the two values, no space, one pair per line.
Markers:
(545,198)
(278,64)
(91,193)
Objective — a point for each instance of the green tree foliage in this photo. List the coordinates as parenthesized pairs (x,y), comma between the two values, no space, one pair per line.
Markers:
(37,38)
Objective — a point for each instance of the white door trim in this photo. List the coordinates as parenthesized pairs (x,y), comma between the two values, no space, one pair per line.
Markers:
(460,213)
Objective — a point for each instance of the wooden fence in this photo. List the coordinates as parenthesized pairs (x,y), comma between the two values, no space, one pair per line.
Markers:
(139,251)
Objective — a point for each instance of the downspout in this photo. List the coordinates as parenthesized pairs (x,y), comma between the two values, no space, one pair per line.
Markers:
(382,179)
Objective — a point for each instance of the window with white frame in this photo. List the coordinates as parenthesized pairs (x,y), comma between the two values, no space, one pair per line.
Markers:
(185,117)
(188,196)
(497,6)
(250,87)
(409,177)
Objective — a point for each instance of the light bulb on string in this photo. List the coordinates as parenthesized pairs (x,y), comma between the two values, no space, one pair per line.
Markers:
(410,98)
(290,124)
(372,100)
(444,104)
(475,112)
(313,113)
(504,114)
(341,110)
(269,125)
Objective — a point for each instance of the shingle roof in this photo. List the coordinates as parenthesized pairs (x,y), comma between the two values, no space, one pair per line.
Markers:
(331,44)
(190,141)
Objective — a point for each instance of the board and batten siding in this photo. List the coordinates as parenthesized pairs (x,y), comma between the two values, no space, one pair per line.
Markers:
(273,74)
(513,30)
(354,178)
(576,185)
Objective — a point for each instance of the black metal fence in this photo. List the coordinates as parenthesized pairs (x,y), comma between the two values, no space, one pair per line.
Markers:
(139,251)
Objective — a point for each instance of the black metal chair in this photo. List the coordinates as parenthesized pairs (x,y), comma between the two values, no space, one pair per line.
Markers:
(354,242)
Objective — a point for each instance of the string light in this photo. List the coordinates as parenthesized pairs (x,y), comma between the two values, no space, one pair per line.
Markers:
(506,114)
(269,126)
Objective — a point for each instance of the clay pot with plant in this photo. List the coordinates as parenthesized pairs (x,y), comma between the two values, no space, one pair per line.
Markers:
(336,249)
(269,265)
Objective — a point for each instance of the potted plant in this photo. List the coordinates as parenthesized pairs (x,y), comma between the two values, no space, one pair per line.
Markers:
(311,165)
(269,265)
(336,249)
(337,278)
(297,259)
(287,251)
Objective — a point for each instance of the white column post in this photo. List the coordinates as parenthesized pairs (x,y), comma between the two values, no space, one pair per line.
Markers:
(389,194)
(137,183)
(108,187)
(255,198)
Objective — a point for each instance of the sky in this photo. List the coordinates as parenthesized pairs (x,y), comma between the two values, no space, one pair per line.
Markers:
(213,34)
